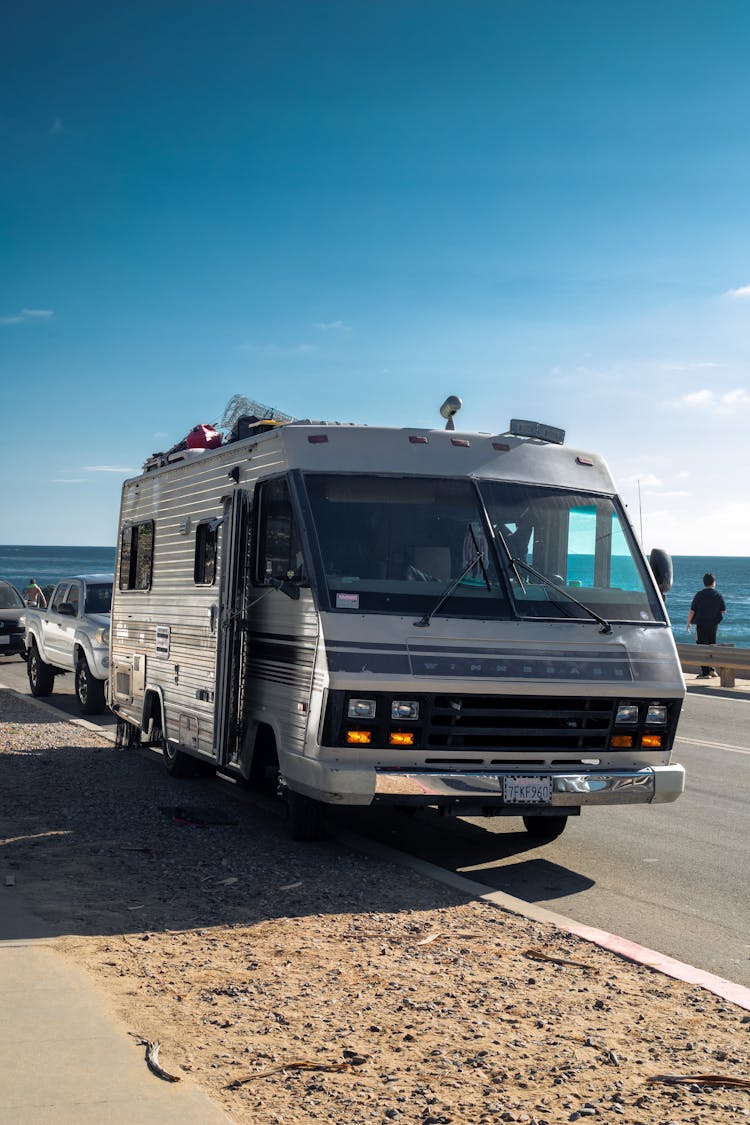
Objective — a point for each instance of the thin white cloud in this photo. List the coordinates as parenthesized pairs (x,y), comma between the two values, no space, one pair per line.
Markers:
(332,326)
(27,314)
(56,127)
(648,480)
(738,396)
(108,469)
(740,294)
(160,435)
(688,365)
(60,480)
(675,494)
(277,349)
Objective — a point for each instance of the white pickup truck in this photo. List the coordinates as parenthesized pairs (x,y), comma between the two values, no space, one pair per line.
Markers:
(72,635)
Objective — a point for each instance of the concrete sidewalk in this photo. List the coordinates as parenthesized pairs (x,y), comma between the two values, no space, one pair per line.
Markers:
(64,1057)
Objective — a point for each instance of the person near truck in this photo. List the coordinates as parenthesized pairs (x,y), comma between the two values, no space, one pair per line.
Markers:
(706,612)
(34,596)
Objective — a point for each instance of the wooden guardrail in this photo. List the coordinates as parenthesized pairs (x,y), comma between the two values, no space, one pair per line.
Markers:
(726,658)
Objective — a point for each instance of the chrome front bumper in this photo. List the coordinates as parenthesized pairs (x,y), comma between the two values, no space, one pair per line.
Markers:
(599,787)
(356,785)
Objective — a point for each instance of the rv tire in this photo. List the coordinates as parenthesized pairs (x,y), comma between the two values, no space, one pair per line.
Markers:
(305,818)
(41,675)
(89,690)
(177,762)
(545,827)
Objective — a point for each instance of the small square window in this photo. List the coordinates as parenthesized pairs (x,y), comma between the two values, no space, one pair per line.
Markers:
(206,552)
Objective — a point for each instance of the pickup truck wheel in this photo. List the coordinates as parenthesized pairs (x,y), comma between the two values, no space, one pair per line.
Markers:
(305,817)
(89,690)
(545,827)
(41,675)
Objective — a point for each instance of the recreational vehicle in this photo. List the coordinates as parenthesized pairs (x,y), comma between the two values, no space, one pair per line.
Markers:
(361,616)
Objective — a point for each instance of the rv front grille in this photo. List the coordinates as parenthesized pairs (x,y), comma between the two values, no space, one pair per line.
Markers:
(517,725)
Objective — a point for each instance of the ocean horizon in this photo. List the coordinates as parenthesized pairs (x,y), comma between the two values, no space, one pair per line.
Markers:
(19,563)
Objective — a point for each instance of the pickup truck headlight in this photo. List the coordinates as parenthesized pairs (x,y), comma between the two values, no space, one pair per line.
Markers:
(101,636)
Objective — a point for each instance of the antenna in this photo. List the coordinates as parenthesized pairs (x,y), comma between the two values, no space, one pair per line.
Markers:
(640,510)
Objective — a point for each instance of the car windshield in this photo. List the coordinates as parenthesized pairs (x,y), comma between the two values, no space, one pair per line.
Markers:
(9,597)
(578,541)
(98,597)
(395,544)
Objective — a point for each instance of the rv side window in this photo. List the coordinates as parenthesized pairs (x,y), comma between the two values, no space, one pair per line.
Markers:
(137,556)
(206,543)
(279,550)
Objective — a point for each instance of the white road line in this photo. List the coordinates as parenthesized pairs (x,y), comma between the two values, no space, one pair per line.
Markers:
(713,745)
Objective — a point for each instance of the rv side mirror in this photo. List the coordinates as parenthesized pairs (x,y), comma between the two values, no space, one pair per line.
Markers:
(661,568)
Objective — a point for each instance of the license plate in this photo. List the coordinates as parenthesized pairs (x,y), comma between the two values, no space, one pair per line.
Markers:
(527,790)
(4,640)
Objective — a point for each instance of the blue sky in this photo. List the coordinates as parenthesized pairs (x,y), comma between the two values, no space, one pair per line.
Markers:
(351,210)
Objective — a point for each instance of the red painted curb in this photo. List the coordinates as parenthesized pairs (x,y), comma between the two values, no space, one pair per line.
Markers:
(736,993)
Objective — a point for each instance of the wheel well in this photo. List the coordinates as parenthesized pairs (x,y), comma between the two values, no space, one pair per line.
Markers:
(153,716)
(264,758)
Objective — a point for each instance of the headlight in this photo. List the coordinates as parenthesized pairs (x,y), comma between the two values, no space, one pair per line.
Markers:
(627,713)
(404,709)
(656,715)
(361,709)
(101,636)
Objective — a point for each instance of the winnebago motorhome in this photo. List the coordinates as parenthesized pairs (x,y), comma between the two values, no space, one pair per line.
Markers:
(409,617)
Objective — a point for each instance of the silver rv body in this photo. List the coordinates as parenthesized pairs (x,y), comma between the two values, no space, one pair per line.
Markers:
(403,616)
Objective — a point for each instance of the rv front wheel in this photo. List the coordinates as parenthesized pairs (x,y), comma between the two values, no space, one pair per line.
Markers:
(545,827)
(305,817)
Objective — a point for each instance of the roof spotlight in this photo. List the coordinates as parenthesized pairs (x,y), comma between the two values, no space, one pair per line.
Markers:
(451,406)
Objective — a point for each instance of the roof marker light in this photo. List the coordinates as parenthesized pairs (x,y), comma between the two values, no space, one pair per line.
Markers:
(418,439)
(501,446)
(460,441)
(584,461)
(317,439)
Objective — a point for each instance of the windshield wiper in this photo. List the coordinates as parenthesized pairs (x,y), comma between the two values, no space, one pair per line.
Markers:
(424,621)
(605,625)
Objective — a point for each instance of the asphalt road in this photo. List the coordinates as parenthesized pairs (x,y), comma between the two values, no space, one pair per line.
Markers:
(675,877)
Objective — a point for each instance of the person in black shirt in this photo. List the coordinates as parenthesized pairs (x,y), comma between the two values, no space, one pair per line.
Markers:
(706,610)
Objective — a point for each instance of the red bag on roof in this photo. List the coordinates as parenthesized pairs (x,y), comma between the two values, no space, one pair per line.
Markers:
(203,437)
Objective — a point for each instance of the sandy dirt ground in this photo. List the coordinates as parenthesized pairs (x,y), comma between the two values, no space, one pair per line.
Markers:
(305,983)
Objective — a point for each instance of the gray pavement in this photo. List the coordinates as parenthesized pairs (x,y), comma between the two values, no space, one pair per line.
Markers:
(64,1057)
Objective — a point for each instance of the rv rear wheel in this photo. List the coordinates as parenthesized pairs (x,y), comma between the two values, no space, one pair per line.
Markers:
(89,690)
(305,817)
(41,675)
(178,763)
(545,827)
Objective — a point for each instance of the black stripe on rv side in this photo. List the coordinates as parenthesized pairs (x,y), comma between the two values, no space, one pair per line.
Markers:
(289,650)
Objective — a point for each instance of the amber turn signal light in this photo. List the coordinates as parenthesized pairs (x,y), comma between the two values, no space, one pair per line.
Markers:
(359,737)
(401,738)
(652,741)
(623,741)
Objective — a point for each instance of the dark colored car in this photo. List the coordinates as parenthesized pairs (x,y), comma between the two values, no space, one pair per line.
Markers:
(12,607)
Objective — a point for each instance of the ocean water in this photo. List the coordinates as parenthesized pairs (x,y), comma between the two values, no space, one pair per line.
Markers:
(49,564)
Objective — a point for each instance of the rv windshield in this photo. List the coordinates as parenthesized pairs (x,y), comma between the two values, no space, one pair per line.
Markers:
(578,541)
(394,545)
